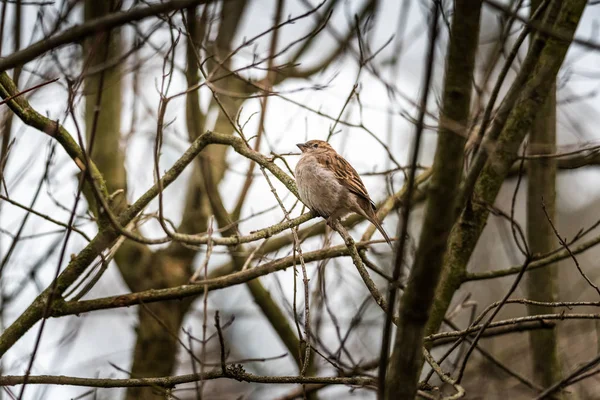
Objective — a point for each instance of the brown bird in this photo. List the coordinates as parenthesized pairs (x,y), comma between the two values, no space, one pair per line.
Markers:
(329,185)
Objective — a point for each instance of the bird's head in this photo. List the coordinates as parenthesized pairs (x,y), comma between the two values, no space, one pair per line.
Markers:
(314,147)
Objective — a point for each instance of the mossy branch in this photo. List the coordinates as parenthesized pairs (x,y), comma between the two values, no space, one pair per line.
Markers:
(22,109)
(404,367)
(532,95)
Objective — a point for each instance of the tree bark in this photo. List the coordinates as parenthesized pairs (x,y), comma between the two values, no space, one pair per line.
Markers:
(156,346)
(103,98)
(542,283)
(532,96)
(541,192)
(406,360)
(156,349)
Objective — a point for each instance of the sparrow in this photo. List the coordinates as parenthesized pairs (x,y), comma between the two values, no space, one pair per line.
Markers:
(329,186)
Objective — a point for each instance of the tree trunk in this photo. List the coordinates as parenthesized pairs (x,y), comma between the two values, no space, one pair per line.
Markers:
(159,324)
(541,192)
(531,96)
(156,347)
(406,360)
(103,99)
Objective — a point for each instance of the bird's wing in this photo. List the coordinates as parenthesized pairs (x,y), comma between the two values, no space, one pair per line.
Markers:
(346,175)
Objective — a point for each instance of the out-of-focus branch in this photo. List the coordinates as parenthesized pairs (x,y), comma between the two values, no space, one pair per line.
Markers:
(7,122)
(196,208)
(44,216)
(232,372)
(87,255)
(82,31)
(181,292)
(583,371)
(539,263)
(295,72)
(575,161)
(508,104)
(532,95)
(542,284)
(499,331)
(218,60)
(405,365)
(319,23)
(20,106)
(549,30)
(513,322)
(268,85)
(479,131)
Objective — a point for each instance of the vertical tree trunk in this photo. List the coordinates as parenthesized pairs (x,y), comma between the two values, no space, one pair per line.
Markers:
(159,324)
(541,283)
(406,360)
(156,347)
(103,119)
(514,126)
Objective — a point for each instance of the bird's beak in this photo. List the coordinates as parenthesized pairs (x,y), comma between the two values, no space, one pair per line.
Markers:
(301,146)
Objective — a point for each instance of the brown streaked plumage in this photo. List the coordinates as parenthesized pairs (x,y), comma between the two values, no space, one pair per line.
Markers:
(329,185)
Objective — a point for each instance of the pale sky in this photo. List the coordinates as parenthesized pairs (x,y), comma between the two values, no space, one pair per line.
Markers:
(107,336)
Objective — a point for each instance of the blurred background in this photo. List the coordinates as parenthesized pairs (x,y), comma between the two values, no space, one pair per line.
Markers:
(280,72)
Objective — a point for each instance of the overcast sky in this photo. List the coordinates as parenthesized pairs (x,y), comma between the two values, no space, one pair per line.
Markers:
(84,346)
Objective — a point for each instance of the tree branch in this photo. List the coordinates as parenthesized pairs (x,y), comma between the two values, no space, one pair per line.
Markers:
(232,372)
(405,365)
(82,31)
(62,308)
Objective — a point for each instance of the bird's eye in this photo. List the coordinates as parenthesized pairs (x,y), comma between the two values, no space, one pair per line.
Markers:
(315,145)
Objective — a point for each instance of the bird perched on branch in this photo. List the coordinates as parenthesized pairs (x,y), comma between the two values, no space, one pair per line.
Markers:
(329,185)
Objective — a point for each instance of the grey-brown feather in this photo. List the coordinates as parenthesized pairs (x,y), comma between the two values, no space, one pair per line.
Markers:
(329,185)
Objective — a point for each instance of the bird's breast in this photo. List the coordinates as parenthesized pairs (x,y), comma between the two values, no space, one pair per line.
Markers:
(318,186)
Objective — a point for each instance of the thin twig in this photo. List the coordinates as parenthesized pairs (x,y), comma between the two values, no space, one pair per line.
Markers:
(566,246)
(403,222)
(460,391)
(221,342)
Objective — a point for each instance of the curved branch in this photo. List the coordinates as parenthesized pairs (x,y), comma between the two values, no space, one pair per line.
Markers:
(62,308)
(79,32)
(22,109)
(542,262)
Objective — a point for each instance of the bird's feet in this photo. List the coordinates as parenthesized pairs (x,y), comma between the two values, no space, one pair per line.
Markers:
(333,222)
(330,221)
